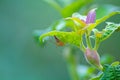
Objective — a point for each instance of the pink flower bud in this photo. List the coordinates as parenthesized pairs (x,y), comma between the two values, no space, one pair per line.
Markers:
(91,16)
(93,58)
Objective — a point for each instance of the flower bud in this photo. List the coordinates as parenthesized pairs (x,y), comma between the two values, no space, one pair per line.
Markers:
(91,16)
(93,58)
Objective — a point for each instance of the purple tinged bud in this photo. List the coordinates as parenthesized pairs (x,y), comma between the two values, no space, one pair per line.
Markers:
(93,58)
(91,16)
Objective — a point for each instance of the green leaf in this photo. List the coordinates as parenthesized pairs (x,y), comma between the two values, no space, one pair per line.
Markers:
(77,21)
(115,63)
(107,32)
(60,25)
(91,26)
(111,72)
(68,7)
(106,9)
(66,37)
(73,7)
(38,33)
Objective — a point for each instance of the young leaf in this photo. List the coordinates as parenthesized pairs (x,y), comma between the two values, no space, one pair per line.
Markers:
(66,37)
(107,32)
(91,26)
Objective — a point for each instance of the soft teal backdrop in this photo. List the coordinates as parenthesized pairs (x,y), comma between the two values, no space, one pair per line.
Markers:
(21,58)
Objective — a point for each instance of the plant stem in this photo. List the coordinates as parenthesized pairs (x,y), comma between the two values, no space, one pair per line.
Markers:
(71,62)
(97,43)
(88,42)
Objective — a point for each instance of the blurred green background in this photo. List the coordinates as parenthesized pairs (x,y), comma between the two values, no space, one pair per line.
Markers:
(21,58)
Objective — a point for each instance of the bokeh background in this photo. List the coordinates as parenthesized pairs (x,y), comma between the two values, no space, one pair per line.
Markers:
(21,58)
